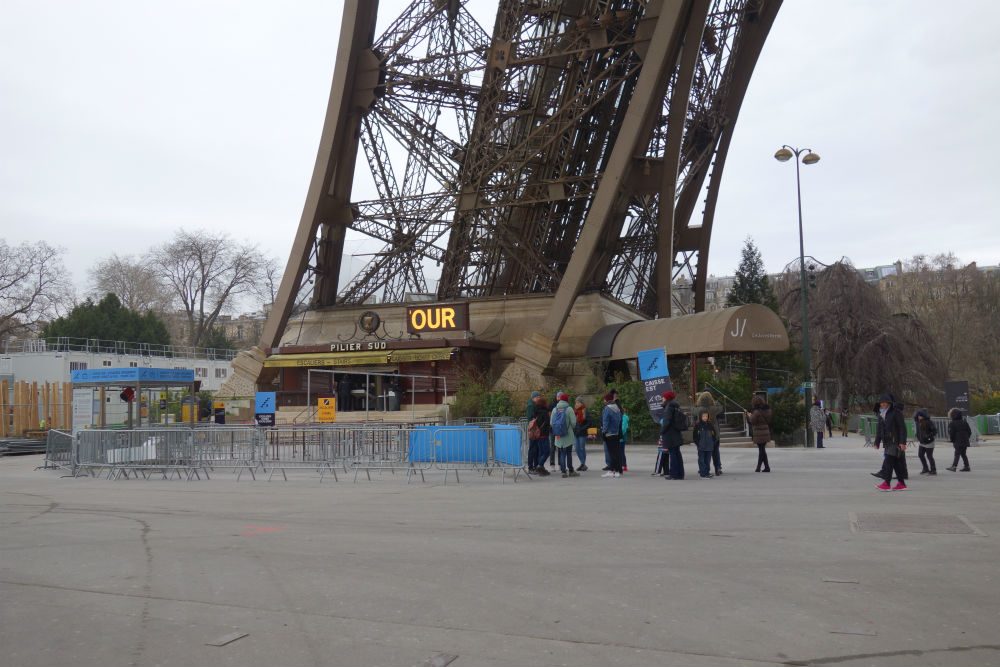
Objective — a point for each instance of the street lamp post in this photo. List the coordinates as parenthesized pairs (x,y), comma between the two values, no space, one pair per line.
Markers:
(784,154)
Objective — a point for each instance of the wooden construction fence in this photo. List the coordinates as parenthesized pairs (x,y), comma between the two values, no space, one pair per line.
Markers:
(30,406)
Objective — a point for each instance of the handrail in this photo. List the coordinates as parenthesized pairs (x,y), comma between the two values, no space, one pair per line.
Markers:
(726,396)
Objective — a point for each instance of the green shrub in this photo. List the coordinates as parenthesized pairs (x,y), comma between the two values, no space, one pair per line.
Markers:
(632,394)
(499,404)
(788,412)
(986,403)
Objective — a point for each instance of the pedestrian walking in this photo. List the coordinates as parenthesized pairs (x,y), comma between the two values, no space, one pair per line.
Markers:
(845,420)
(891,432)
(611,424)
(760,430)
(562,421)
(672,426)
(926,431)
(580,431)
(706,438)
(817,422)
(829,421)
(538,437)
(960,433)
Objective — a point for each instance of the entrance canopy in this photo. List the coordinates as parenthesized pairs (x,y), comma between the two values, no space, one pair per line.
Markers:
(750,328)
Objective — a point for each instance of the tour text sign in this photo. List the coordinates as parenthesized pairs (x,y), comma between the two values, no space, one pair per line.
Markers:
(655,376)
(437,317)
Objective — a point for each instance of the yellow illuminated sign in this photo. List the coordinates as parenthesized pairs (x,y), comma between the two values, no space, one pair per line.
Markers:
(440,317)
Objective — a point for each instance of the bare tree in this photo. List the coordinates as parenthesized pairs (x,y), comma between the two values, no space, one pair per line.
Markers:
(33,286)
(859,343)
(270,280)
(205,274)
(133,280)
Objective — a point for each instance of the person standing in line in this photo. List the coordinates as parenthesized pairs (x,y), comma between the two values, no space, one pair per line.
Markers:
(845,420)
(672,425)
(891,432)
(552,439)
(960,433)
(625,435)
(562,421)
(817,421)
(707,402)
(580,431)
(926,431)
(760,430)
(611,424)
(538,434)
(706,438)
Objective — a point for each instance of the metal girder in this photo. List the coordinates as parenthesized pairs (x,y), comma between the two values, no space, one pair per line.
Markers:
(565,149)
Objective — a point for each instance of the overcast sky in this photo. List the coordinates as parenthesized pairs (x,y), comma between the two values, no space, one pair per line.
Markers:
(122,120)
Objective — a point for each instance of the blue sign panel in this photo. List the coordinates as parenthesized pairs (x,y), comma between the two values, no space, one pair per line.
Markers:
(653,364)
(133,375)
(265,402)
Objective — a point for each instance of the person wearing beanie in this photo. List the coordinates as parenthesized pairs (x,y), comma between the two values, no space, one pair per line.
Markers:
(891,432)
(817,422)
(671,435)
(960,433)
(706,438)
(611,423)
(529,409)
(552,438)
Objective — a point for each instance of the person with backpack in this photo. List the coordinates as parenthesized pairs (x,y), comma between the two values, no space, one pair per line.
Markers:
(760,430)
(960,433)
(625,435)
(580,431)
(926,431)
(538,437)
(611,424)
(672,426)
(562,420)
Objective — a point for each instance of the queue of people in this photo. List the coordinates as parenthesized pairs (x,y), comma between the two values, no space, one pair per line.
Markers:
(558,432)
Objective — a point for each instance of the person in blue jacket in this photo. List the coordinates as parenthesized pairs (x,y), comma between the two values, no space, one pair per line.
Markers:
(611,424)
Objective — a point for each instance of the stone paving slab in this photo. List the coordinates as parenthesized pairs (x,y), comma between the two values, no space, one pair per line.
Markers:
(744,569)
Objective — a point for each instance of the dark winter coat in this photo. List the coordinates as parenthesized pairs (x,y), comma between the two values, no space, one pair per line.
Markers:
(891,430)
(925,429)
(670,435)
(760,424)
(706,437)
(541,418)
(959,431)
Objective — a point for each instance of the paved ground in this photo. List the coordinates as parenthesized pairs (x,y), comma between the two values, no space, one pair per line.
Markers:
(746,569)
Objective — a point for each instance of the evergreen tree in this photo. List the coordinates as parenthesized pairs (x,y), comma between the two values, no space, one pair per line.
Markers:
(752,284)
(109,320)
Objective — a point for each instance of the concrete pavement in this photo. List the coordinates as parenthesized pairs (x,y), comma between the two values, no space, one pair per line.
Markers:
(786,568)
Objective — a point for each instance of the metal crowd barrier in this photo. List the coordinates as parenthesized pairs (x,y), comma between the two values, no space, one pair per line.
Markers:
(413,449)
(868,426)
(992,424)
(58,449)
(135,453)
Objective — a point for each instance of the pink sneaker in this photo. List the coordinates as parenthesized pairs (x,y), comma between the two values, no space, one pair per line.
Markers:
(899,487)
(884,486)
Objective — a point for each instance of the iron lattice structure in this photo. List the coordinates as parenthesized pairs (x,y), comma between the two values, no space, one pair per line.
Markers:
(564,151)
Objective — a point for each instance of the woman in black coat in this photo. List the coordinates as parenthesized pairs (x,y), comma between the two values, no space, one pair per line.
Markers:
(891,432)
(959,432)
(760,430)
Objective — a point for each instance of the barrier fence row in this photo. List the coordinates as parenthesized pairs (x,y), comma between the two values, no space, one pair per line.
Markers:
(327,450)
(868,427)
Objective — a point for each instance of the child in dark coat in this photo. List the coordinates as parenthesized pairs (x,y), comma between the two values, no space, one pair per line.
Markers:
(706,437)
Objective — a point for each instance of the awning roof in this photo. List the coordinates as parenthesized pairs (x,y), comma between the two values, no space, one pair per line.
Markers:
(750,328)
(357,358)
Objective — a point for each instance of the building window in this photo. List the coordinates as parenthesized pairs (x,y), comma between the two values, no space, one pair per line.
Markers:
(220,373)
(133,364)
(78,365)
(201,372)
(106,363)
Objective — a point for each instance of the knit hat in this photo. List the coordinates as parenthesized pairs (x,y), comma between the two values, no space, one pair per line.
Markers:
(609,397)
(669,395)
(535,394)
(562,396)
